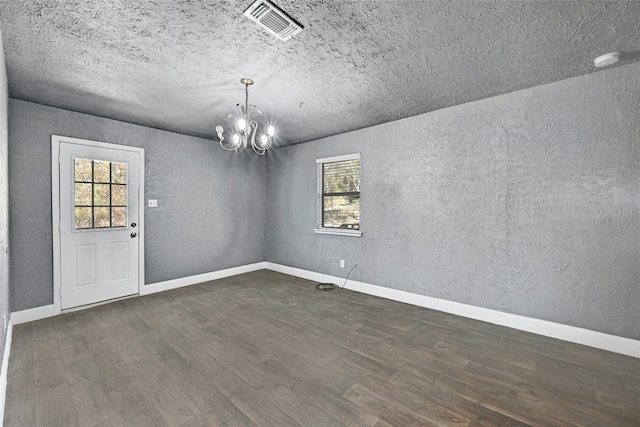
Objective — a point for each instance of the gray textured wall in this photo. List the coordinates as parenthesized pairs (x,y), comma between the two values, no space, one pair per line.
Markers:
(210,213)
(4,197)
(526,203)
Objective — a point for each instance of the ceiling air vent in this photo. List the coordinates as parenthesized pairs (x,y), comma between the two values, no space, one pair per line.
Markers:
(274,20)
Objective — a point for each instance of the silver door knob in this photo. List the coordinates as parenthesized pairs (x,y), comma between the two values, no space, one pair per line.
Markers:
(134,234)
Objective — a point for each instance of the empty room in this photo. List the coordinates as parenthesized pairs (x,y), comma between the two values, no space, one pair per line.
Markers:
(319,213)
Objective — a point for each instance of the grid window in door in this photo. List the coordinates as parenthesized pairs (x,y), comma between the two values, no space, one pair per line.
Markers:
(100,193)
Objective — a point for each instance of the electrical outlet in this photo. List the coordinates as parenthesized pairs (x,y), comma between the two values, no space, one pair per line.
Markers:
(341,263)
(153,203)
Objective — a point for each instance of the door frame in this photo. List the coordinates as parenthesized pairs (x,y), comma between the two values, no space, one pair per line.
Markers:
(55,209)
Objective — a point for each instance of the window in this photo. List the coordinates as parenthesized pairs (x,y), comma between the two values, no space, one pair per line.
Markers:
(100,193)
(339,195)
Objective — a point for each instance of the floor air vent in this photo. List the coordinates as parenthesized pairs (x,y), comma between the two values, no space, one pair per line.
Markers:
(274,20)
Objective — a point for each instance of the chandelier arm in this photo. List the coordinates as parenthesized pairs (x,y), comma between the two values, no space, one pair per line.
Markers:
(228,149)
(253,125)
(237,148)
(252,111)
(220,138)
(258,150)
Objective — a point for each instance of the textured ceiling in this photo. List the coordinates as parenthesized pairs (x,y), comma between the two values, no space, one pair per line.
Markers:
(176,65)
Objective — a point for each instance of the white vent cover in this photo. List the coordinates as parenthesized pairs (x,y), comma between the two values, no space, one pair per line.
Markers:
(274,20)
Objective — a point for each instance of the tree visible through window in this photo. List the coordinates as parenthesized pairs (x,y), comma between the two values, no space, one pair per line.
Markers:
(341,194)
(100,193)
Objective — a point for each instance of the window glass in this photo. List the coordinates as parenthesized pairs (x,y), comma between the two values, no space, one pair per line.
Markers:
(84,218)
(100,194)
(119,173)
(83,194)
(118,217)
(101,171)
(340,198)
(83,170)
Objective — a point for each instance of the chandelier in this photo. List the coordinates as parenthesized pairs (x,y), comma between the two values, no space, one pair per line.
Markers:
(245,128)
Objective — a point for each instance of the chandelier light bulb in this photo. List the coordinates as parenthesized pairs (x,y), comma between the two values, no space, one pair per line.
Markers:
(242,124)
(219,131)
(236,139)
(271,130)
(263,138)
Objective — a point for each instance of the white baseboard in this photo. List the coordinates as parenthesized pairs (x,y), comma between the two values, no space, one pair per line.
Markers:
(573,334)
(5,368)
(199,278)
(37,313)
(31,314)
(560,331)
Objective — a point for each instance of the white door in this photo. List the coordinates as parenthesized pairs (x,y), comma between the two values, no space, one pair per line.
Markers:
(99,239)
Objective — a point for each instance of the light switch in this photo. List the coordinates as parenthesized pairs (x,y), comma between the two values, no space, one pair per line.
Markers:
(153,203)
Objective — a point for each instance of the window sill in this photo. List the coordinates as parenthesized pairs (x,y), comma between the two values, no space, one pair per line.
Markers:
(338,232)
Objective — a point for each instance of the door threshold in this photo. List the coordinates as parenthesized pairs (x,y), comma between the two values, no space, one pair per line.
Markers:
(96,304)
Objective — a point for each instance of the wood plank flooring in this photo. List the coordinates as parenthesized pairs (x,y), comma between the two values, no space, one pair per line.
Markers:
(267,349)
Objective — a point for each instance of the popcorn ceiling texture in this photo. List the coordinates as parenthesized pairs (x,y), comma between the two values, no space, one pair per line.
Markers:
(527,203)
(210,201)
(176,65)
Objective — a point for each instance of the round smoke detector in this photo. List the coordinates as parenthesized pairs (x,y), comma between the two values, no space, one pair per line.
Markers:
(607,59)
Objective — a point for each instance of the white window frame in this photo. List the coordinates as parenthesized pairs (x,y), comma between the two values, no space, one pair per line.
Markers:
(319,228)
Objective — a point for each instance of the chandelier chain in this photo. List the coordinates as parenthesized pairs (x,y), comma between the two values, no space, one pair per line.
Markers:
(246,99)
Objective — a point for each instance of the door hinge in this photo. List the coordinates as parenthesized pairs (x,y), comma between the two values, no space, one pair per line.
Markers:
(58,159)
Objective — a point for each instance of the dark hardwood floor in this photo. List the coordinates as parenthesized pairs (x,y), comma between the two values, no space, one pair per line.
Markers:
(268,349)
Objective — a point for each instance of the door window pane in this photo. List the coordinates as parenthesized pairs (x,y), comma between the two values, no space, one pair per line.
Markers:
(83,194)
(101,171)
(118,195)
(119,173)
(83,171)
(118,217)
(84,218)
(100,194)
(101,217)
